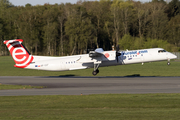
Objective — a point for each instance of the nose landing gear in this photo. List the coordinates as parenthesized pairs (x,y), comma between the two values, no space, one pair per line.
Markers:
(168,63)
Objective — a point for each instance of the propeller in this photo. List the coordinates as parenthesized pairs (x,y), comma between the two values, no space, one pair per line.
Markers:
(117,53)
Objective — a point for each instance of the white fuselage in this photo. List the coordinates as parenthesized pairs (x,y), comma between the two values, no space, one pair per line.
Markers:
(95,59)
(107,59)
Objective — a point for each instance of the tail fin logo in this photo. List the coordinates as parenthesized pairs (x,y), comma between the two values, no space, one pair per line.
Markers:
(19,53)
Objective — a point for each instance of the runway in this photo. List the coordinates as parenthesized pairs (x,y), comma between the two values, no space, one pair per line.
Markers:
(91,85)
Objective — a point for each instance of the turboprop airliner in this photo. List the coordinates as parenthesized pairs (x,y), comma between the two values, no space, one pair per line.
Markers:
(95,59)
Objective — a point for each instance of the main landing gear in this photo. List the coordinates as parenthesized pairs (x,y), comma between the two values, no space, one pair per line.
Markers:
(96,71)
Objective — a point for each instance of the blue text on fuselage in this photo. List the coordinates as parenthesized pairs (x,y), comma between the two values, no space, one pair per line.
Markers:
(135,52)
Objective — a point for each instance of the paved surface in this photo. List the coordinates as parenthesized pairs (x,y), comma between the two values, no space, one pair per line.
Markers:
(91,85)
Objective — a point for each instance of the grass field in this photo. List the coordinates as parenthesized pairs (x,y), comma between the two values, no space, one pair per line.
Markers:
(148,69)
(91,107)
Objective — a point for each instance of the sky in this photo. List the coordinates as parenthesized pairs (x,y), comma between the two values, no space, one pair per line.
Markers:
(42,2)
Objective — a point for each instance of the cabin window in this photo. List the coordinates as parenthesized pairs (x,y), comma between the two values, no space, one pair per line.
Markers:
(161,51)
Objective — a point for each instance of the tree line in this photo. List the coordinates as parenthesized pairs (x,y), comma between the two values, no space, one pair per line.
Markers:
(68,29)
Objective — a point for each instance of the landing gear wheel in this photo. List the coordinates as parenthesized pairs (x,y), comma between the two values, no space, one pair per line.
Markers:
(97,71)
(168,63)
(94,73)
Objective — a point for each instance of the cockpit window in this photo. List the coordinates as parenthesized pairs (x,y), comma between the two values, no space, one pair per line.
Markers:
(161,51)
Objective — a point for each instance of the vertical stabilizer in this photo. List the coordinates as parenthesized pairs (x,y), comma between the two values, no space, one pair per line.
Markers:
(19,53)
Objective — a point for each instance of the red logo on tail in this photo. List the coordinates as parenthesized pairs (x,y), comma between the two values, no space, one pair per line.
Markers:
(19,53)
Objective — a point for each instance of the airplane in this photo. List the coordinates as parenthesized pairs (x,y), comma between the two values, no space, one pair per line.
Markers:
(95,59)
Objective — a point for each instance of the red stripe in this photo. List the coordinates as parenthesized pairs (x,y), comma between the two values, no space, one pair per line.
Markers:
(8,45)
(6,41)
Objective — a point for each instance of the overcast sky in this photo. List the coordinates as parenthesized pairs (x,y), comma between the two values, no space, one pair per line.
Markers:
(42,2)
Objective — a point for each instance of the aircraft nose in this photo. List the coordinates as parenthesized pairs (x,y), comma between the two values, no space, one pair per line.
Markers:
(172,56)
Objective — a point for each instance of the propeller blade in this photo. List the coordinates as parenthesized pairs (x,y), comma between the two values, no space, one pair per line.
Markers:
(117,48)
(117,53)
